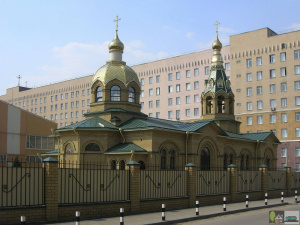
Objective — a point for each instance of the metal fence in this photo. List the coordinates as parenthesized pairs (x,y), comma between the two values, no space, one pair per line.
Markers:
(295,180)
(276,180)
(91,183)
(22,184)
(248,181)
(168,183)
(212,182)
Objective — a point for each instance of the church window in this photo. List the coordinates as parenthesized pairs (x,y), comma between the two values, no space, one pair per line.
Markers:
(163,159)
(122,165)
(205,159)
(115,93)
(131,96)
(172,159)
(92,147)
(142,165)
(225,162)
(113,164)
(99,94)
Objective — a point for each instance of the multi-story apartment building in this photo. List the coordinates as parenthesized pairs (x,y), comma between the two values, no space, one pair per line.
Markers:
(263,68)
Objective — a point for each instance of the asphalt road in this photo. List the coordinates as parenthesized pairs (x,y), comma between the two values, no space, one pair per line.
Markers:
(256,217)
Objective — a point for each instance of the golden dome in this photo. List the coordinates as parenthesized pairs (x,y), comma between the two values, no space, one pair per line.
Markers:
(217,45)
(116,44)
(118,71)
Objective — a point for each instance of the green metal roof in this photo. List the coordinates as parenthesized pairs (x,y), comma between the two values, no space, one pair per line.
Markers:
(92,123)
(114,110)
(53,152)
(126,148)
(260,136)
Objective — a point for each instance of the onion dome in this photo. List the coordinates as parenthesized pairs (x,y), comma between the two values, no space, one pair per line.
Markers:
(116,44)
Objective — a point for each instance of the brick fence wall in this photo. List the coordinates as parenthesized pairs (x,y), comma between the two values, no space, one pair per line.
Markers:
(52,211)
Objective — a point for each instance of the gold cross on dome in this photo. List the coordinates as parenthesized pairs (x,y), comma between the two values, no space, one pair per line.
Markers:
(216,24)
(117,22)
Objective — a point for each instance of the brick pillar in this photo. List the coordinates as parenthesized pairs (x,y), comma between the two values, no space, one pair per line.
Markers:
(232,181)
(288,174)
(134,168)
(264,179)
(51,188)
(191,183)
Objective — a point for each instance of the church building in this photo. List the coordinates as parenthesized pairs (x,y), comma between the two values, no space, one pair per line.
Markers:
(115,131)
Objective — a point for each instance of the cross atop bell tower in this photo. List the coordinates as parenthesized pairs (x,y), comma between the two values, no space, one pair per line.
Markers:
(117,22)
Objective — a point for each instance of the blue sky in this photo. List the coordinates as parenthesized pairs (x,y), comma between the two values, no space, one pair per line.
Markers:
(49,41)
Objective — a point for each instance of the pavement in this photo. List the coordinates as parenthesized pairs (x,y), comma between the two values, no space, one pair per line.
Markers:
(186,215)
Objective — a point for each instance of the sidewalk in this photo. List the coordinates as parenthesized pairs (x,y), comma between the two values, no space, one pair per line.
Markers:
(184,215)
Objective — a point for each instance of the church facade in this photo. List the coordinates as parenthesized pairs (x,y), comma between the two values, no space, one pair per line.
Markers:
(116,132)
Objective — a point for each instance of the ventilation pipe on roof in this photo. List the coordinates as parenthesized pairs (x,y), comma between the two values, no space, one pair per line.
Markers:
(122,135)
(186,145)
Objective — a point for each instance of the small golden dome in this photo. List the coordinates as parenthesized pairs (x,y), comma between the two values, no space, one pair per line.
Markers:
(116,44)
(217,45)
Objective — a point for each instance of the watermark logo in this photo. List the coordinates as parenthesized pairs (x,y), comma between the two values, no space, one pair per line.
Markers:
(284,217)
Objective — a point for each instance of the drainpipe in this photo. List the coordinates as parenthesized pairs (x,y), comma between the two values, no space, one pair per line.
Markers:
(122,135)
(186,145)
(257,143)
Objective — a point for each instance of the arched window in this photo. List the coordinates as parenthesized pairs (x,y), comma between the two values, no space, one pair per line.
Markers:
(205,159)
(242,162)
(247,162)
(142,165)
(209,105)
(231,159)
(267,162)
(69,149)
(131,95)
(115,93)
(221,104)
(225,162)
(92,147)
(113,164)
(99,94)
(172,159)
(163,159)
(122,165)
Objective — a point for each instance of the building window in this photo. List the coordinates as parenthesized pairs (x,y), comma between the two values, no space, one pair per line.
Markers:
(77,93)
(157,91)
(187,99)
(62,106)
(170,77)
(196,85)
(196,72)
(163,159)
(157,103)
(272,73)
(99,94)
(115,93)
(187,73)
(188,86)
(283,102)
(297,54)
(131,95)
(66,105)
(196,111)
(72,94)
(150,104)
(248,62)
(258,61)
(150,114)
(297,116)
(297,132)
(142,82)
(150,92)
(170,101)
(297,85)
(283,72)
(283,87)
(206,70)
(272,118)
(272,58)
(259,119)
(273,104)
(238,75)
(142,93)
(196,98)
(227,66)
(249,120)
(297,167)
(177,114)
(177,75)
(66,96)
(177,87)
(297,100)
(150,80)
(283,152)
(272,88)
(170,115)
(66,115)
(282,57)
(297,152)
(249,77)
(142,105)
(259,104)
(259,75)
(249,91)
(83,92)
(249,106)
(177,100)
(157,115)
(259,90)
(170,89)
(61,97)
(158,79)
(88,91)
(297,69)
(283,118)
(284,133)
(51,100)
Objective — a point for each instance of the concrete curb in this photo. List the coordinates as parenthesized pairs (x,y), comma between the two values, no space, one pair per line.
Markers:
(217,214)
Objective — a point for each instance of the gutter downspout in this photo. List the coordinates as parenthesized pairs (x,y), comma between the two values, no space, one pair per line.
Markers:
(122,135)
(186,145)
